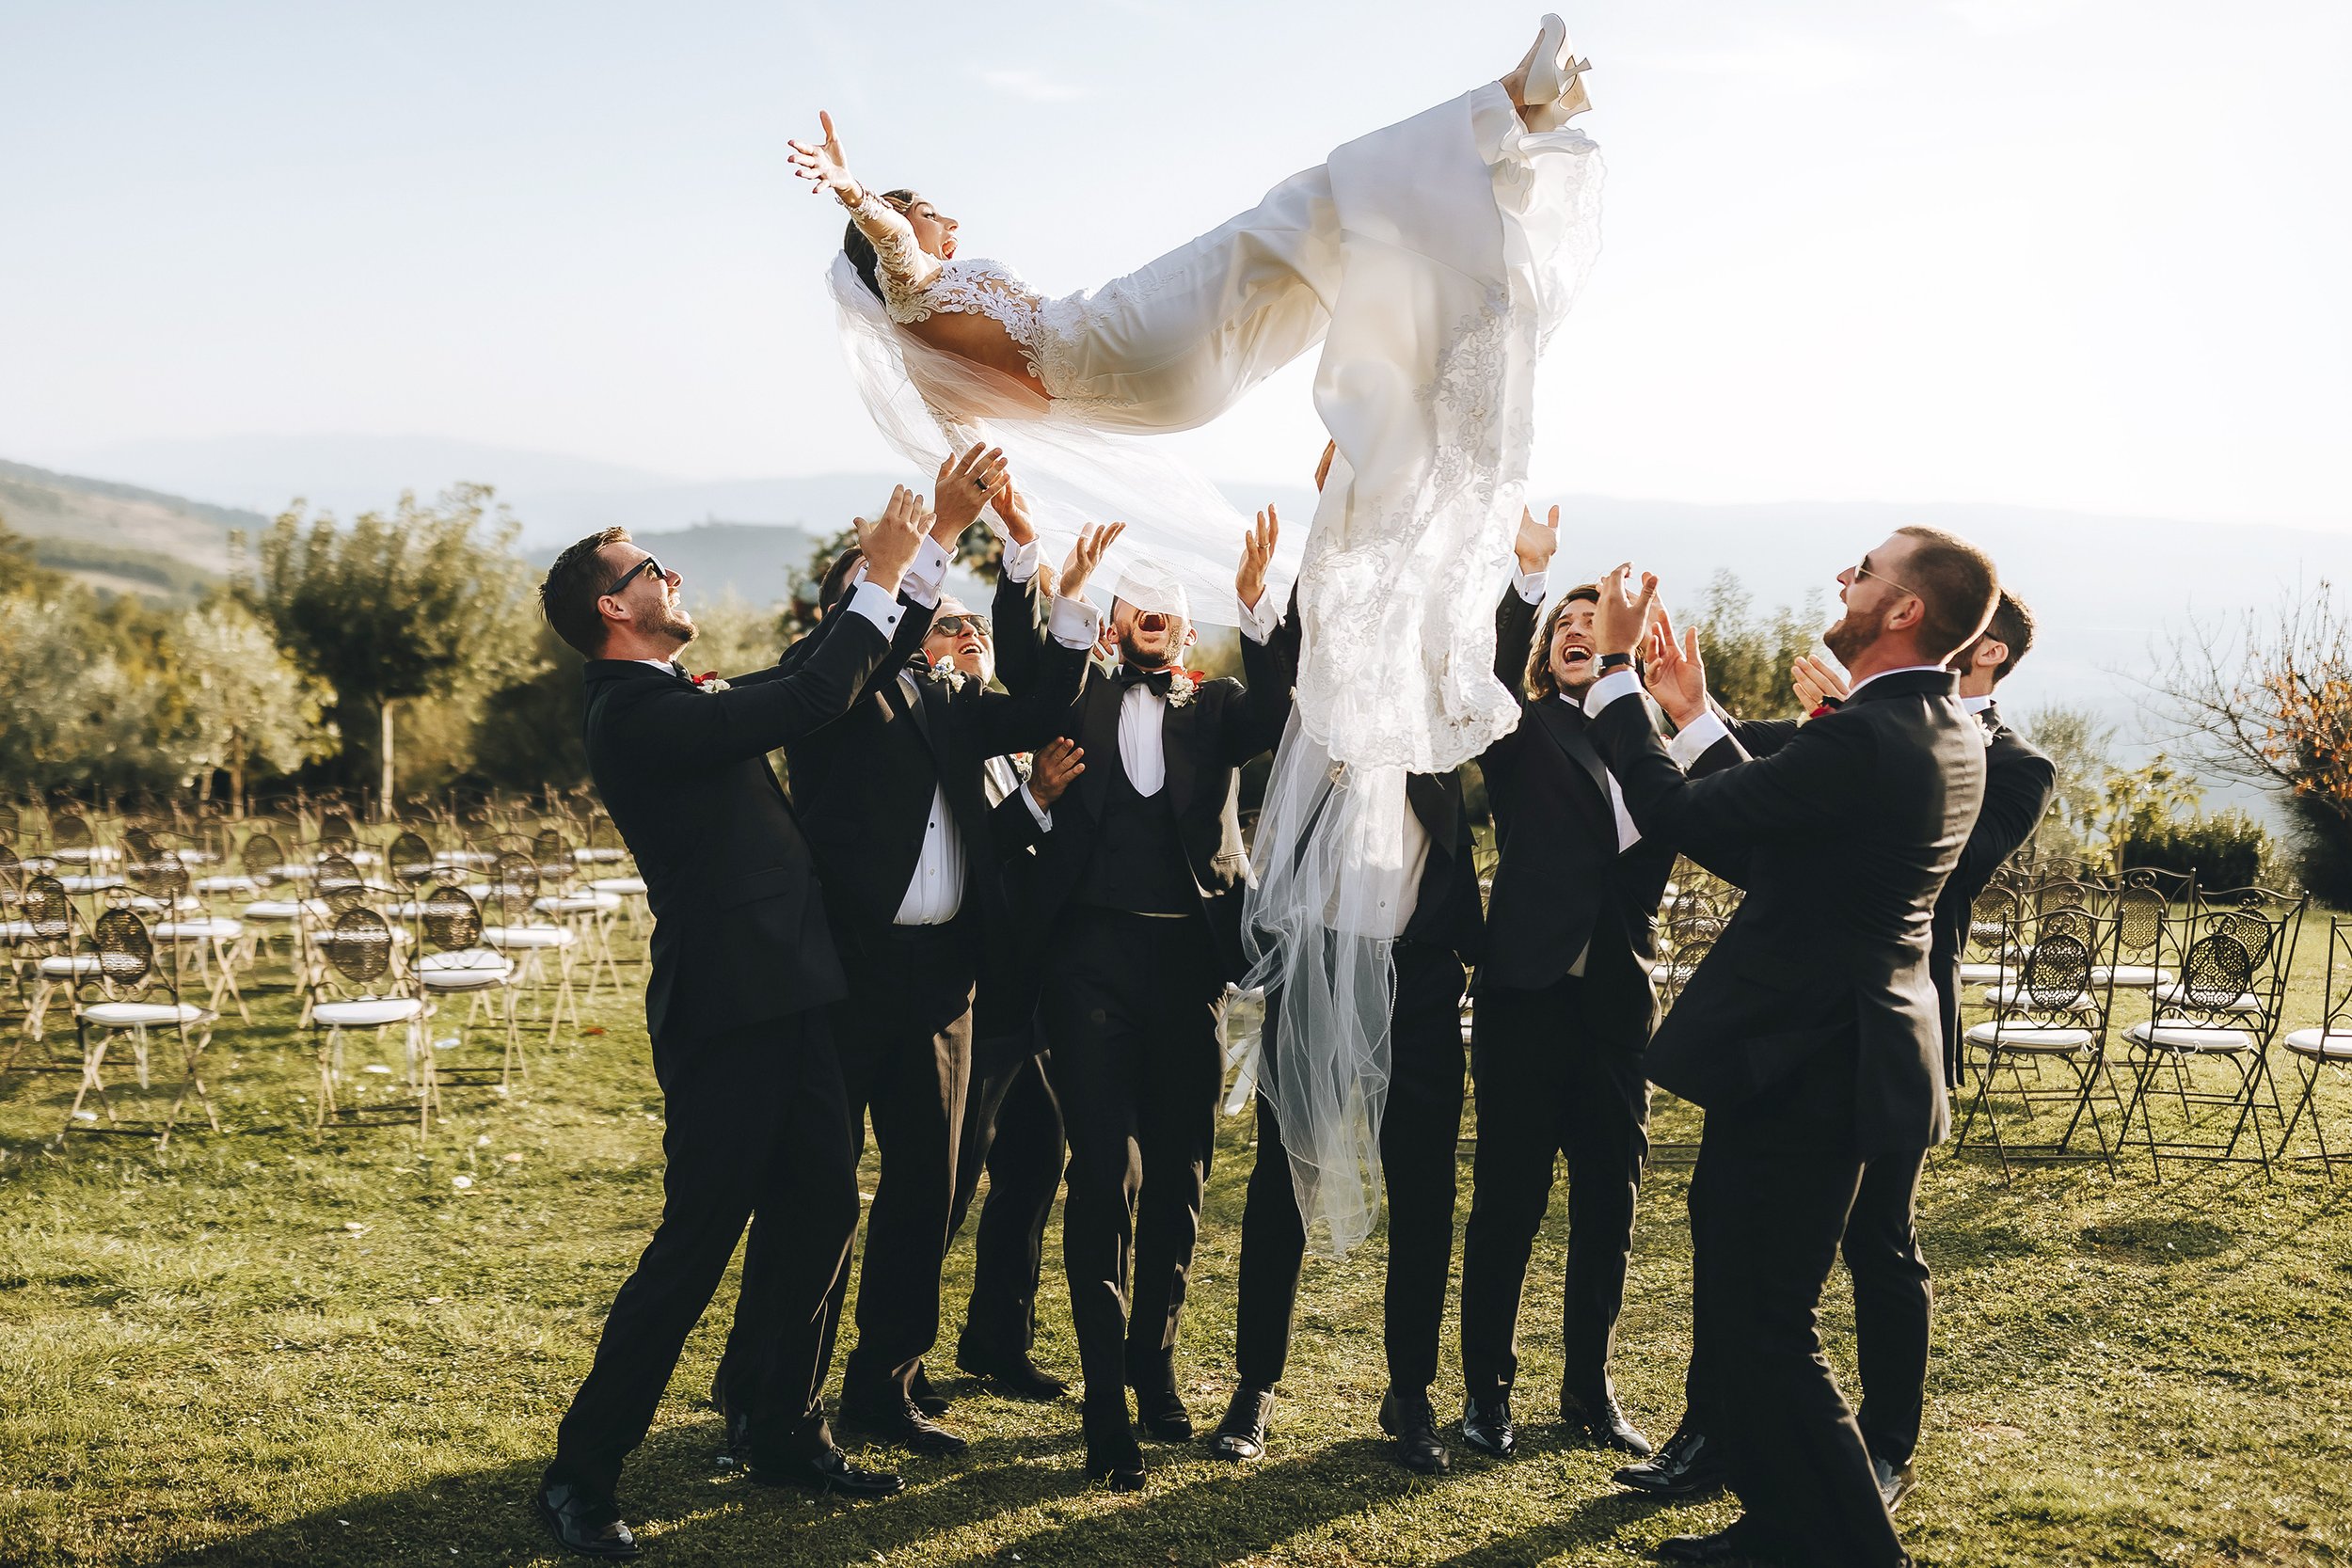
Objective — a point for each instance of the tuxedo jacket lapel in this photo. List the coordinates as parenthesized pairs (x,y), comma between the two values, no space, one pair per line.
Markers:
(1176,732)
(1098,737)
(1569,736)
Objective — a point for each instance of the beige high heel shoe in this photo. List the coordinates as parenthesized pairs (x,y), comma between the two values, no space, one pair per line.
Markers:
(1555,78)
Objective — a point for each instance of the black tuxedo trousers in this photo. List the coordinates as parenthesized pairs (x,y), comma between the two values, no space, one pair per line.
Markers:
(1420,1130)
(1778,1185)
(1551,1081)
(1012,1131)
(756,1125)
(1135,1009)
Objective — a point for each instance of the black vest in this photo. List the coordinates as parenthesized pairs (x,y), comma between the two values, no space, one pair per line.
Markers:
(1138,862)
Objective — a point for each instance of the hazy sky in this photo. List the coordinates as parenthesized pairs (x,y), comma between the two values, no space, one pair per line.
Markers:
(2085,253)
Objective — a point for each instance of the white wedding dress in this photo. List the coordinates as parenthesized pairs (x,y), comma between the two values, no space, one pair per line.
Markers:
(1431,261)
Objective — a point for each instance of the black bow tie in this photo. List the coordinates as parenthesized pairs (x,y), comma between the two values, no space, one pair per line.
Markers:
(1130,675)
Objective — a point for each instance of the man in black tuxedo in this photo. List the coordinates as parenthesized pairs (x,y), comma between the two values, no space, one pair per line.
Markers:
(894,800)
(742,968)
(1138,889)
(1433,921)
(1565,1007)
(1809,1033)
(1893,1298)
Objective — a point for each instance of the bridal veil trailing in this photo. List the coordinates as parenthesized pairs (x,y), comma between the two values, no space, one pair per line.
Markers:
(1431,261)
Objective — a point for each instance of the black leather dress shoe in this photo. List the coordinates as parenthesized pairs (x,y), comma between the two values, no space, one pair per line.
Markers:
(891,1416)
(1738,1542)
(1159,1409)
(1115,1459)
(584,1523)
(930,1400)
(828,1471)
(1895,1481)
(1689,1464)
(1409,1419)
(1487,1427)
(1242,1434)
(738,1424)
(1598,1416)
(1015,1375)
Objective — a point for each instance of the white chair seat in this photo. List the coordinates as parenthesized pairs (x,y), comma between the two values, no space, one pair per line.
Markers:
(2056,1038)
(367,1012)
(2132,977)
(244,886)
(464,857)
(17,931)
(2205,1038)
(578,903)
(472,968)
(2176,996)
(293,871)
(600,857)
(66,966)
(284,911)
(526,936)
(155,906)
(216,929)
(87,855)
(1985,974)
(195,857)
(2013,997)
(76,882)
(134,1015)
(626,886)
(2332,1045)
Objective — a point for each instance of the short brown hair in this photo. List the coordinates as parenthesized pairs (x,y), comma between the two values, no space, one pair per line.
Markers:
(1539,677)
(1956,585)
(573,585)
(2012,627)
(836,585)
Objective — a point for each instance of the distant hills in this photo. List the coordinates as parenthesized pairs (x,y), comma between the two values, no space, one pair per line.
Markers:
(119,537)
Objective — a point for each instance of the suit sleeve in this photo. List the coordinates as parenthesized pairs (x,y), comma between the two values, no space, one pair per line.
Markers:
(1806,789)
(705,728)
(1515,639)
(1017,617)
(2016,798)
(1028,718)
(1012,827)
(1731,864)
(1762,738)
(1254,722)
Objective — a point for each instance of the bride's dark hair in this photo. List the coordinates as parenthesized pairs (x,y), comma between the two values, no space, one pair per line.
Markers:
(861,250)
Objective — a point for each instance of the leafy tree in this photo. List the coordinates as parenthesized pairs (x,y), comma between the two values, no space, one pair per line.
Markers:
(430,600)
(2082,748)
(1748,655)
(243,701)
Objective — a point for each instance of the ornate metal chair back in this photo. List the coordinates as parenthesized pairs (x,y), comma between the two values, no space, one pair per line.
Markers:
(450,922)
(340,884)
(358,945)
(411,859)
(126,955)
(514,887)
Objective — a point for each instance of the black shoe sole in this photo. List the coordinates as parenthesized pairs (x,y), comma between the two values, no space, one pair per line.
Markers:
(1237,1446)
(826,1486)
(1680,1489)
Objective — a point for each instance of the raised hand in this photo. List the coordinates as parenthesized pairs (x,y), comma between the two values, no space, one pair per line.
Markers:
(1622,616)
(1816,681)
(1536,541)
(1257,554)
(1086,555)
(1676,676)
(963,486)
(1013,510)
(1052,769)
(890,543)
(823,167)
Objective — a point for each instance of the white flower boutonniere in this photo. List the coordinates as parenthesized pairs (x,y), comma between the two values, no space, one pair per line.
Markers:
(708,681)
(947,675)
(1182,686)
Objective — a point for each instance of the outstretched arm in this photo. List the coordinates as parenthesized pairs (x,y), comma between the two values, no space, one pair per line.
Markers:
(905,263)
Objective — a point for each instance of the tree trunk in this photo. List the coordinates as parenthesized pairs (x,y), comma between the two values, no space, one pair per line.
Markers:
(384,798)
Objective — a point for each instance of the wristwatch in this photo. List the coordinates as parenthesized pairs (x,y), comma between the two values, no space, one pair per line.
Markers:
(1614,661)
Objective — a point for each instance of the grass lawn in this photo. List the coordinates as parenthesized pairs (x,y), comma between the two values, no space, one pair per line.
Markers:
(269,1346)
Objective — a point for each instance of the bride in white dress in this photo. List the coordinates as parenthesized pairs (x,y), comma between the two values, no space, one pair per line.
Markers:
(1431,261)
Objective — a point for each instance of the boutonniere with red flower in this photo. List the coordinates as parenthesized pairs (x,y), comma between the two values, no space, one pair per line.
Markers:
(1183,684)
(708,681)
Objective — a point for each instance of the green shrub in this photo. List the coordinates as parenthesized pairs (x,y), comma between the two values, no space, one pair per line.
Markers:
(2226,849)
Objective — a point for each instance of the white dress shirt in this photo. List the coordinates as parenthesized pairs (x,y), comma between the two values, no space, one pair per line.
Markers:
(1142,710)
(1977,704)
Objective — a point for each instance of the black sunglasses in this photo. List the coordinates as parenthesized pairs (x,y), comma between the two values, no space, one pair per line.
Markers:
(956,625)
(628,576)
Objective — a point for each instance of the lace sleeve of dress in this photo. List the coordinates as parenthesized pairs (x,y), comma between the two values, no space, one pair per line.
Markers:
(903,267)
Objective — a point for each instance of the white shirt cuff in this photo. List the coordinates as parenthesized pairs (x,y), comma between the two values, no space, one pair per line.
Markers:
(1617,684)
(921,580)
(1691,743)
(878,607)
(1019,562)
(1075,623)
(1532,584)
(1258,621)
(1044,817)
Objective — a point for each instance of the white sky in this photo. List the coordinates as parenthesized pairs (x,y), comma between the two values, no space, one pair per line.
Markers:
(2082,253)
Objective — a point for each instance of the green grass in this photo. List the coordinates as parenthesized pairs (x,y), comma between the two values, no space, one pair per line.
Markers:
(274,1347)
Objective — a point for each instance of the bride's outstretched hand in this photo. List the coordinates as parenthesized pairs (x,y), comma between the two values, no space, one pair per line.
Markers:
(1257,554)
(823,166)
(1013,510)
(963,486)
(1086,555)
